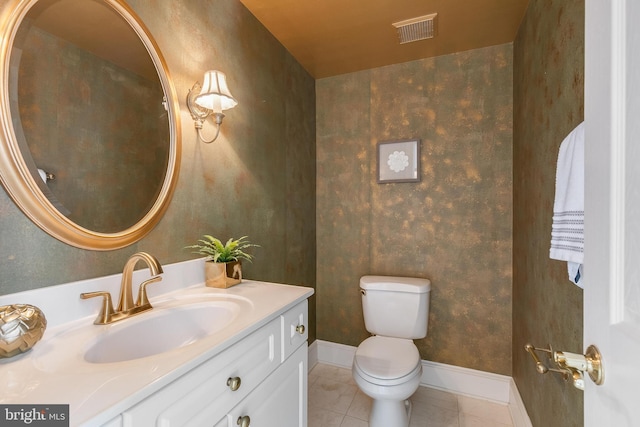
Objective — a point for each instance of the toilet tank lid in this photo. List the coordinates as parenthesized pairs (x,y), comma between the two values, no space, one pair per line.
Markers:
(399,284)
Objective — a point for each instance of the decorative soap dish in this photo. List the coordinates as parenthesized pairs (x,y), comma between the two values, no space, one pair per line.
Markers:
(21,327)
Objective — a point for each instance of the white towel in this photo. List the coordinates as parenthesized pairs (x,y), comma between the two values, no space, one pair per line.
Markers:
(567,231)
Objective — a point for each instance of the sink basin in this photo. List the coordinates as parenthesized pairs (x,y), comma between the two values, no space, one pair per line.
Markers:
(160,330)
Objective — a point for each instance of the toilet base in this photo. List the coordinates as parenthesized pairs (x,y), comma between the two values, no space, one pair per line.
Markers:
(385,413)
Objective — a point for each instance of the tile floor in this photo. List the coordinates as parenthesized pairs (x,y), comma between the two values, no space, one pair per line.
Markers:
(336,401)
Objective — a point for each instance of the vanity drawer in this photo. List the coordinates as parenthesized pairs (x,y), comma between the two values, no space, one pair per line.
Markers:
(295,328)
(207,389)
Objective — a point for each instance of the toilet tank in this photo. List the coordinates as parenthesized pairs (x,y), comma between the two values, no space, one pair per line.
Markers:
(395,306)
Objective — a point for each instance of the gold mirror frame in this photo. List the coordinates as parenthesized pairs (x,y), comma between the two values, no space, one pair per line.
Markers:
(20,183)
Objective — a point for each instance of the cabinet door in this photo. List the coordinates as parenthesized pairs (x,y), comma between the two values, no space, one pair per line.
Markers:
(281,400)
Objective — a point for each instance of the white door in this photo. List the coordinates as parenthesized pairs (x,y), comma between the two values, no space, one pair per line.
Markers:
(612,209)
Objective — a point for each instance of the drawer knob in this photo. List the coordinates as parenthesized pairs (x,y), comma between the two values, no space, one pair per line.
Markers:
(300,329)
(244,421)
(234,384)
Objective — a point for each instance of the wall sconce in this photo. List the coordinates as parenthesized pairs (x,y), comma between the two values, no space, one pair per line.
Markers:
(210,99)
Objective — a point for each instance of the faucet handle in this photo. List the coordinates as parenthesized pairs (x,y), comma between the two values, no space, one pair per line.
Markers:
(142,292)
(106,311)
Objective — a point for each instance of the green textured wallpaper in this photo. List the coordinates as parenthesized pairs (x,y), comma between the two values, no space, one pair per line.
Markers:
(453,227)
(257,179)
(548,104)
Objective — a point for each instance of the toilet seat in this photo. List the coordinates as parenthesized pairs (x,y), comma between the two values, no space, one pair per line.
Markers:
(387,361)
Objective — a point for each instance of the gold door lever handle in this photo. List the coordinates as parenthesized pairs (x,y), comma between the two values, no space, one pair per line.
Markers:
(590,362)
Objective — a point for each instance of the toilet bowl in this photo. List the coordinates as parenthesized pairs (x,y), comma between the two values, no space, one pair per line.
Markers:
(387,366)
(388,370)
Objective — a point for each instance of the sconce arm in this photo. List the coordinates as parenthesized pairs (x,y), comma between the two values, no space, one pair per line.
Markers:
(218,119)
(199,114)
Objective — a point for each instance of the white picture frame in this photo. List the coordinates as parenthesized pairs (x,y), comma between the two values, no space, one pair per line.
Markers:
(398,161)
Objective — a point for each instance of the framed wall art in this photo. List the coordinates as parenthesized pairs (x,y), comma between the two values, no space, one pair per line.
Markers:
(399,161)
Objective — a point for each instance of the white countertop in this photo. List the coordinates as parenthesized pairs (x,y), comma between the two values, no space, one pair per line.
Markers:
(55,371)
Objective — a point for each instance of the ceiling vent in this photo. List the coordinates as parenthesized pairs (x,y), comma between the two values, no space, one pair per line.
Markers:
(414,29)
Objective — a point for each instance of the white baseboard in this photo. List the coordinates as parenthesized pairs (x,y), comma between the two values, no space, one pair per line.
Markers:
(312,359)
(335,354)
(465,381)
(454,379)
(516,407)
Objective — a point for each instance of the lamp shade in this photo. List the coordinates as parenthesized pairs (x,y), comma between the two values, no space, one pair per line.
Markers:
(215,94)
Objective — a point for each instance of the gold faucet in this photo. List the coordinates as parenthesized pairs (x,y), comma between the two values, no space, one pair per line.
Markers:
(126,306)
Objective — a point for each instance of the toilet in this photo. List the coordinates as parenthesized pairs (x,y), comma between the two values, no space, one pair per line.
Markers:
(387,366)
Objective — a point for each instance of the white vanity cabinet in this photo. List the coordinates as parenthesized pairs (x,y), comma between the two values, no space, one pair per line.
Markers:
(261,380)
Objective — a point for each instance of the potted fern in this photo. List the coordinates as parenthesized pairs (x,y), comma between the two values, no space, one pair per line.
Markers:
(223,267)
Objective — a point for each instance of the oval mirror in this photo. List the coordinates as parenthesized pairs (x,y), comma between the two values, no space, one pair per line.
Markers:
(90,138)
